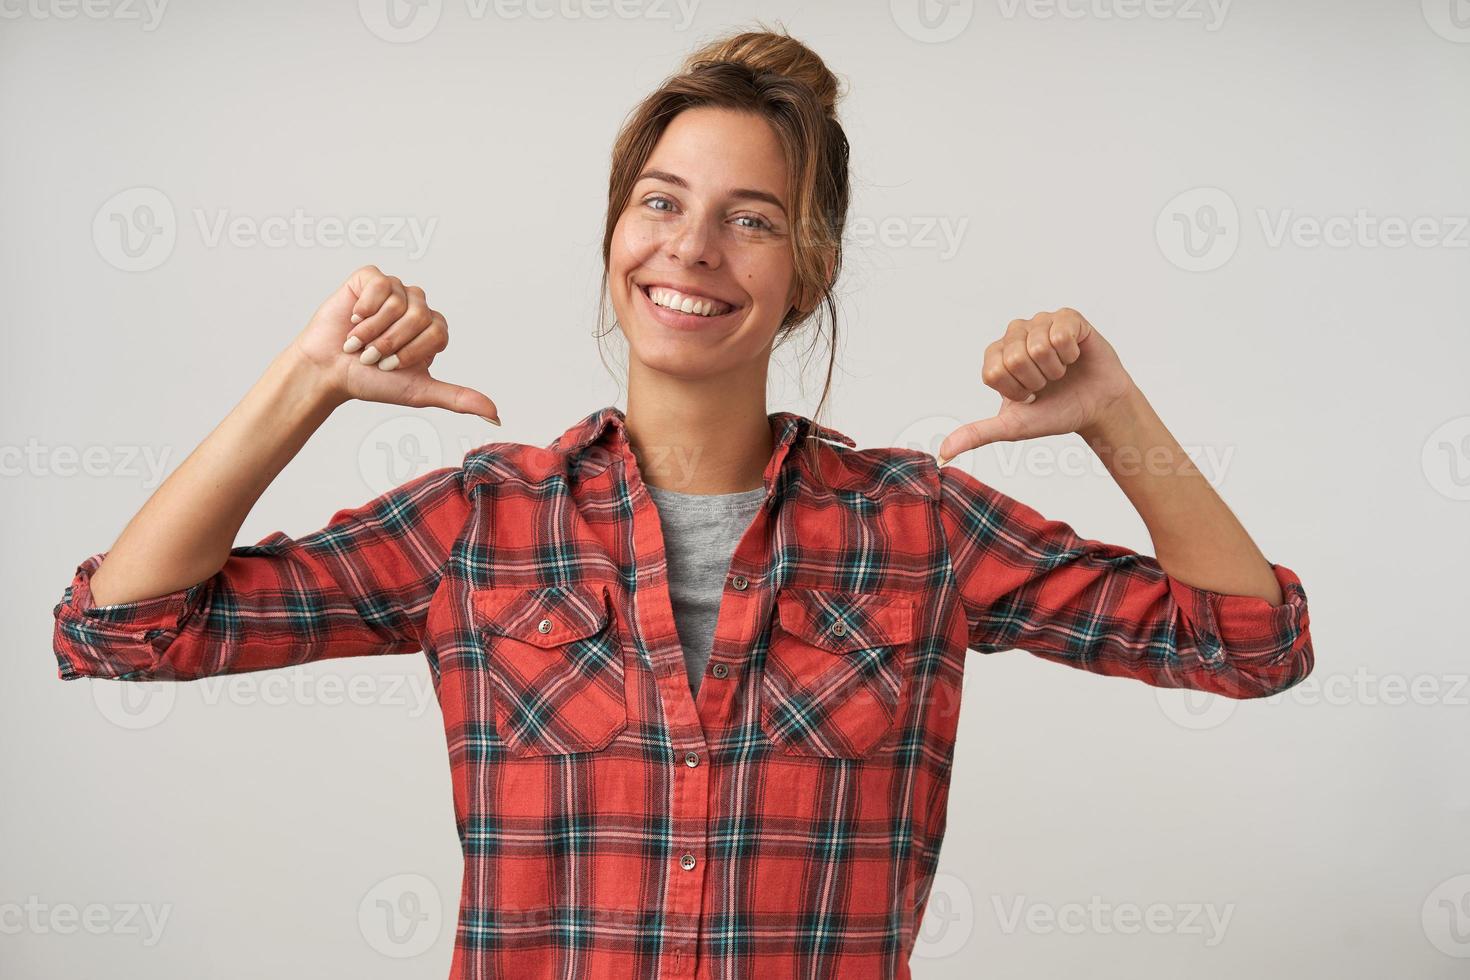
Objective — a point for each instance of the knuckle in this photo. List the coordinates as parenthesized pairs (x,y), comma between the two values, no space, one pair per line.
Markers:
(1014,358)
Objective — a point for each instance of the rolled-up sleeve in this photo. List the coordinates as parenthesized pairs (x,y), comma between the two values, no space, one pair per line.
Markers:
(361,585)
(1033,584)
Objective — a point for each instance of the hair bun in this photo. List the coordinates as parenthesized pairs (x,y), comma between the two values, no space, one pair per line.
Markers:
(773,52)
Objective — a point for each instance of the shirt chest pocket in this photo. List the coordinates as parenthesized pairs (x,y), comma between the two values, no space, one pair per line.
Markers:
(556,667)
(834,671)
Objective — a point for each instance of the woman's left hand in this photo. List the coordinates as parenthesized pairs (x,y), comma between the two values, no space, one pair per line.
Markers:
(1055,373)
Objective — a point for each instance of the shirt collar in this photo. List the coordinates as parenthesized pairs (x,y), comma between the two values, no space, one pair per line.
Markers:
(789,429)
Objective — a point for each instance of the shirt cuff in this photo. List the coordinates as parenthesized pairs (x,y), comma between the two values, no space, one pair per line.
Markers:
(116,639)
(1238,627)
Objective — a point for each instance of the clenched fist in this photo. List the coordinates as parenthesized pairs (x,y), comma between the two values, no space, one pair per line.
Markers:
(1055,373)
(374,339)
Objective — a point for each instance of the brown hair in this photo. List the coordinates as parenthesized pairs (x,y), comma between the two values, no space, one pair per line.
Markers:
(778,78)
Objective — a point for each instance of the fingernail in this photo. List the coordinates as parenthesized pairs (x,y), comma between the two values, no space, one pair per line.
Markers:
(388,363)
(942,459)
(490,420)
(356,318)
(1029,399)
(371,355)
(353,343)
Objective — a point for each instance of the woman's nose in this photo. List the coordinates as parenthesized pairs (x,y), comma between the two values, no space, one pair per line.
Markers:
(692,242)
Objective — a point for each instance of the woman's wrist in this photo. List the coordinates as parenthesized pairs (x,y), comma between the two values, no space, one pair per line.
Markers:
(1122,423)
(302,383)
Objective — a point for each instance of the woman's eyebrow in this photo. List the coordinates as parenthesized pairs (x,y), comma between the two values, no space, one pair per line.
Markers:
(744,193)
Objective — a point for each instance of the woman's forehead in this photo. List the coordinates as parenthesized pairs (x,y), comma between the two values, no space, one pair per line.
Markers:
(720,151)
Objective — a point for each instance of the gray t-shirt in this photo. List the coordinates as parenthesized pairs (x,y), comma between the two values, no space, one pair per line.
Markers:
(701,531)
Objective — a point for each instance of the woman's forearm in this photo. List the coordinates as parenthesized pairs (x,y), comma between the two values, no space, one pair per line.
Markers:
(1195,536)
(184,532)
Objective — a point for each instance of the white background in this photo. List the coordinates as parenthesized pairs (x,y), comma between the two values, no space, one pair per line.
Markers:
(1322,379)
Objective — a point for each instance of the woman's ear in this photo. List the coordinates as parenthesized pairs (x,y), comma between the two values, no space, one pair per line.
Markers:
(806,303)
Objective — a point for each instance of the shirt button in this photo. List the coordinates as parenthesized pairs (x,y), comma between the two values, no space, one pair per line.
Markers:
(719,670)
(691,759)
(544,626)
(740,582)
(687,862)
(839,628)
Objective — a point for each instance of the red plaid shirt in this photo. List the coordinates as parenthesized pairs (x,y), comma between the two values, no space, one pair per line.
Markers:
(788,822)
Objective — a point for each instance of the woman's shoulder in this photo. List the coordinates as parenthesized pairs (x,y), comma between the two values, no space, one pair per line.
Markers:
(875,471)
(503,460)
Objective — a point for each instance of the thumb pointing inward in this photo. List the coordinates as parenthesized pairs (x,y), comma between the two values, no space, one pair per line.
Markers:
(982,433)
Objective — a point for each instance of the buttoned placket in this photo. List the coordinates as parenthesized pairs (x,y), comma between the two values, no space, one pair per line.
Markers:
(736,624)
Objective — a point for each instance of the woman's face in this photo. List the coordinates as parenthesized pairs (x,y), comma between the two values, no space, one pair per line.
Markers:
(705,229)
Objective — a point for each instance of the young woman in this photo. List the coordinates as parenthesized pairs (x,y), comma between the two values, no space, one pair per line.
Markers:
(699,663)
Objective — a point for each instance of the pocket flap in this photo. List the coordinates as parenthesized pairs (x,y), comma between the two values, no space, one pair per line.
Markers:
(543,616)
(845,621)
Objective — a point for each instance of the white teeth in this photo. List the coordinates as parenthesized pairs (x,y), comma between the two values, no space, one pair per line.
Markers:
(687,304)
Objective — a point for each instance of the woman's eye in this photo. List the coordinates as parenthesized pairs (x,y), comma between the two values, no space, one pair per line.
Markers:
(760,223)
(658,200)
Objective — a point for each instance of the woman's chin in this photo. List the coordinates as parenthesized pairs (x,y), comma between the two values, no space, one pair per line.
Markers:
(681,358)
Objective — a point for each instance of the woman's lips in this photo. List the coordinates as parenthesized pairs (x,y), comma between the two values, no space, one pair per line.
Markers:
(682,321)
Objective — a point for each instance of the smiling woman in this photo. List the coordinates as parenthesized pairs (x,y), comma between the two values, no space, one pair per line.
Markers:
(729,183)
(699,662)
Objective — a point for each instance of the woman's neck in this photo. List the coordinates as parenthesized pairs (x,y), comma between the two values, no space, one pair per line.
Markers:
(700,445)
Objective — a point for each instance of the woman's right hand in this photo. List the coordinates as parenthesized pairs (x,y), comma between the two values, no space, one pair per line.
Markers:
(374,339)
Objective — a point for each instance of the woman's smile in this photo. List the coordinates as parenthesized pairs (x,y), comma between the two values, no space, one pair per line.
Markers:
(703,310)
